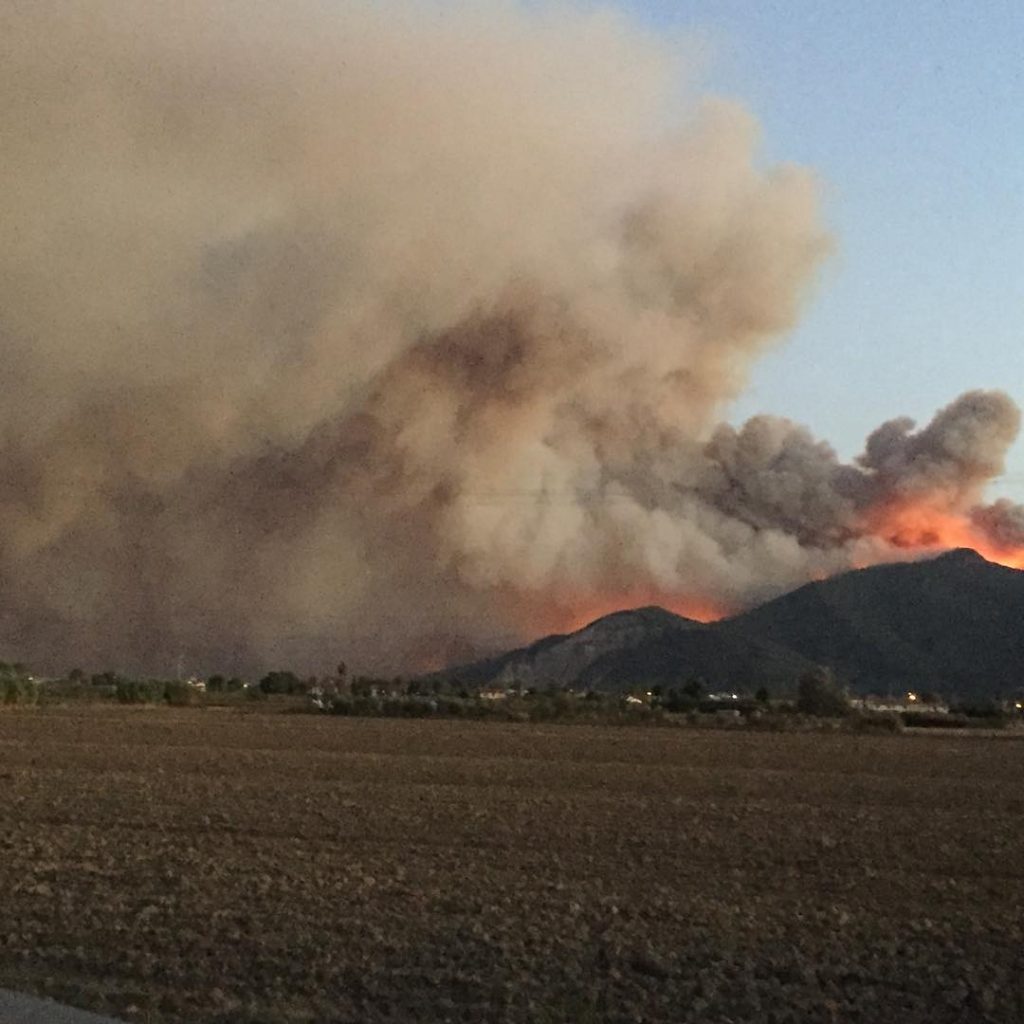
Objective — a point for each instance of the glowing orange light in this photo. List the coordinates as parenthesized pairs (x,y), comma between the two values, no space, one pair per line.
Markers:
(918,527)
(565,613)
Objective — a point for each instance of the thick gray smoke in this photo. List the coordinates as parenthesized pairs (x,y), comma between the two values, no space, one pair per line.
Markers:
(357,330)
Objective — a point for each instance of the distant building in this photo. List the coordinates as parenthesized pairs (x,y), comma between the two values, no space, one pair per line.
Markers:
(907,702)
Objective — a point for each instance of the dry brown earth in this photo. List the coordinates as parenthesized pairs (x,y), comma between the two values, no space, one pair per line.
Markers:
(217,866)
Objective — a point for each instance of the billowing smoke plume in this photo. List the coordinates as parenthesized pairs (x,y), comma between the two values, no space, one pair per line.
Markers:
(355,330)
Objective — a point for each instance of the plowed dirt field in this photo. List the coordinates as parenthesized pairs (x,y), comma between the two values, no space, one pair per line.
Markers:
(218,866)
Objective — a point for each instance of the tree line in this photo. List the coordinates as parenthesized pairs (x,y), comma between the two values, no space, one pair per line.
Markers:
(816,695)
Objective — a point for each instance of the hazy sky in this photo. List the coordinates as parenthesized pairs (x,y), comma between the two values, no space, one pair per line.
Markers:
(913,114)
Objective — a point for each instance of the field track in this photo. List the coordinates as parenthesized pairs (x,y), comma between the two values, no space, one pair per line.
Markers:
(211,865)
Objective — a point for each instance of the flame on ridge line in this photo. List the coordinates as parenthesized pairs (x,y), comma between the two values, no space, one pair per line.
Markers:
(929,530)
(915,530)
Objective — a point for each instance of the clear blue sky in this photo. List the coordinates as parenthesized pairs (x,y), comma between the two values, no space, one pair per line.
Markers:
(912,112)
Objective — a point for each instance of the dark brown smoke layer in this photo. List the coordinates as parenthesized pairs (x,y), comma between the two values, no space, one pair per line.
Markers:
(366,330)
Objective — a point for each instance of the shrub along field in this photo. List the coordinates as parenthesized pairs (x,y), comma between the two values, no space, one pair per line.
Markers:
(211,865)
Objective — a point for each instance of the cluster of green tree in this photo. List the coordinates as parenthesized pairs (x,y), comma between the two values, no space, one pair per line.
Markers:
(157,691)
(113,685)
(820,696)
(221,684)
(988,714)
(450,699)
(284,682)
(16,685)
(693,695)
(529,706)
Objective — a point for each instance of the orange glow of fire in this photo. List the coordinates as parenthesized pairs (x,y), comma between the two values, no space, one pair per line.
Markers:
(918,527)
(914,528)
(566,613)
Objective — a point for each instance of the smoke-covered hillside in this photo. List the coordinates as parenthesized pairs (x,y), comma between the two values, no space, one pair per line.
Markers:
(395,329)
(950,624)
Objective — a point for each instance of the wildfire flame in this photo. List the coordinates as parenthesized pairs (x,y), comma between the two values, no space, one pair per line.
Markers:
(919,527)
(912,528)
(567,613)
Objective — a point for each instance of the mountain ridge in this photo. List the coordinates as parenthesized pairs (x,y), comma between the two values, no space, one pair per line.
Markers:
(953,623)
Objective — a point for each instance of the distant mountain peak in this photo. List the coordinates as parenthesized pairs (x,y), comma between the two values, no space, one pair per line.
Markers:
(962,556)
(951,623)
(645,647)
(651,615)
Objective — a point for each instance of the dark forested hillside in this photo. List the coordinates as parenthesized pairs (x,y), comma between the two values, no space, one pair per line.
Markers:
(641,647)
(954,624)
